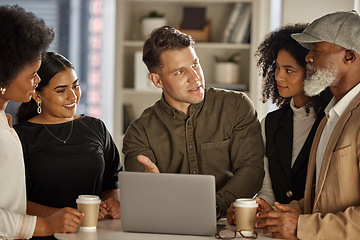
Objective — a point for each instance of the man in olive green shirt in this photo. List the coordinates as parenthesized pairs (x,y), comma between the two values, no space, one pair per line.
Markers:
(193,130)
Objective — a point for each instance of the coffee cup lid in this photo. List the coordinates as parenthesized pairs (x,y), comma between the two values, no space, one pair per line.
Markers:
(245,202)
(88,199)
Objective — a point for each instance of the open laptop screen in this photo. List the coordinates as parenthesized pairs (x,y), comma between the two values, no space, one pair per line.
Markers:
(168,203)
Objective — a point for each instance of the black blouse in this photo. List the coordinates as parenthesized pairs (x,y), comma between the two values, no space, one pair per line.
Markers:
(57,172)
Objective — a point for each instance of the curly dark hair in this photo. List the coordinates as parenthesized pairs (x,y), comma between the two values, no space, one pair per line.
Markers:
(52,64)
(266,53)
(162,39)
(24,38)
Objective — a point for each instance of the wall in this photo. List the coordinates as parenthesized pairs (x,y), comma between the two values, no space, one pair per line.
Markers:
(308,10)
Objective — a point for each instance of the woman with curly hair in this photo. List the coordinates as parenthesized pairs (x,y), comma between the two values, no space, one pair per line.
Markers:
(24,39)
(289,131)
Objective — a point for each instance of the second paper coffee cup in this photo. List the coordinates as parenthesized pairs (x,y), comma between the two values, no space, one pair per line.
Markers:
(89,205)
(245,212)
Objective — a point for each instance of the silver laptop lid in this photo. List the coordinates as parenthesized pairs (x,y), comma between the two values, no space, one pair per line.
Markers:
(168,203)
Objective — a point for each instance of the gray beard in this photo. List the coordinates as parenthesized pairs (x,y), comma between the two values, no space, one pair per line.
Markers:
(321,79)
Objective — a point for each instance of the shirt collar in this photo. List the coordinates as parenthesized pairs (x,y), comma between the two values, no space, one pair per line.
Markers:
(175,113)
(340,106)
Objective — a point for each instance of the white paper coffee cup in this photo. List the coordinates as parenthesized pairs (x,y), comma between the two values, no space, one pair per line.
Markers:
(89,205)
(245,212)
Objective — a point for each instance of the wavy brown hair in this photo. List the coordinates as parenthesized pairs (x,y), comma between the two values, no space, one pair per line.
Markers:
(162,39)
(266,53)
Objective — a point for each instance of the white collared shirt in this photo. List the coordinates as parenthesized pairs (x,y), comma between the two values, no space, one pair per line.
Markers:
(333,112)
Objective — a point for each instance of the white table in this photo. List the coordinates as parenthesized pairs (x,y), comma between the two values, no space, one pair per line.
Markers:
(111,229)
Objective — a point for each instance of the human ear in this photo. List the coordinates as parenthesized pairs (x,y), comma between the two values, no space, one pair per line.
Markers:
(155,78)
(36,96)
(350,56)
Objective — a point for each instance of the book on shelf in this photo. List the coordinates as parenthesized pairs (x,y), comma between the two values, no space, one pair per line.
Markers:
(242,24)
(247,37)
(194,18)
(230,25)
(238,27)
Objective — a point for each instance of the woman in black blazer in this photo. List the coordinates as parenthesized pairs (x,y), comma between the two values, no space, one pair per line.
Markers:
(288,132)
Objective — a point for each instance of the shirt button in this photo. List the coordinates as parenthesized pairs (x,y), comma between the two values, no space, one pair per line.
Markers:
(194,172)
(289,193)
(190,147)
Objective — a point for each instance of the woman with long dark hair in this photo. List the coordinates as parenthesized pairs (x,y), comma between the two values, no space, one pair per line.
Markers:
(65,154)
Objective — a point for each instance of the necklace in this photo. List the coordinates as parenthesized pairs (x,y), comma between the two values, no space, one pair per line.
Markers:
(64,141)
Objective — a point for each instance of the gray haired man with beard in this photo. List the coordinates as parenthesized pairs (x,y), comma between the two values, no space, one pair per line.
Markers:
(330,208)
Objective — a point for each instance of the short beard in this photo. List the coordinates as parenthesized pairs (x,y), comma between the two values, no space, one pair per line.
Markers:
(319,80)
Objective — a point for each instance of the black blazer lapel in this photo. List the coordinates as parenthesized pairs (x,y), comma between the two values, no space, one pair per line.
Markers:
(284,140)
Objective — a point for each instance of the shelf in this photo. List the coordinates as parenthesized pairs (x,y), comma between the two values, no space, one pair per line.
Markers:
(129,40)
(235,87)
(190,1)
(198,45)
(129,91)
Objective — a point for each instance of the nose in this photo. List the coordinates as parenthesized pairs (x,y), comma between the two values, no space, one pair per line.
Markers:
(72,95)
(278,75)
(193,75)
(310,57)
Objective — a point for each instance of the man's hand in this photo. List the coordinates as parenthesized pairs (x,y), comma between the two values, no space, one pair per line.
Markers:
(230,215)
(149,165)
(264,206)
(282,223)
(110,208)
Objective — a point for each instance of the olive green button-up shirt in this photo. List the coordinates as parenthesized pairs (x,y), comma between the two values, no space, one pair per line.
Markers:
(220,137)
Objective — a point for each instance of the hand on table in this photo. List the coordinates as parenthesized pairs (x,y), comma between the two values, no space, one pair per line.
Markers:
(149,165)
(110,208)
(263,206)
(282,223)
(66,220)
(230,215)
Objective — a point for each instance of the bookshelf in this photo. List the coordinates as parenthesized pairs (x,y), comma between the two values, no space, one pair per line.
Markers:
(129,40)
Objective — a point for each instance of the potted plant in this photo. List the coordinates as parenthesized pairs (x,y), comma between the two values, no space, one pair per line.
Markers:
(151,21)
(227,69)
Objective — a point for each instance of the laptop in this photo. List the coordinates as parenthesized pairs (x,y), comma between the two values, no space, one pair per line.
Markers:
(167,203)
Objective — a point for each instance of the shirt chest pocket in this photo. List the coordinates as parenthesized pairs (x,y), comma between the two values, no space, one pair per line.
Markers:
(215,145)
(216,160)
(342,165)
